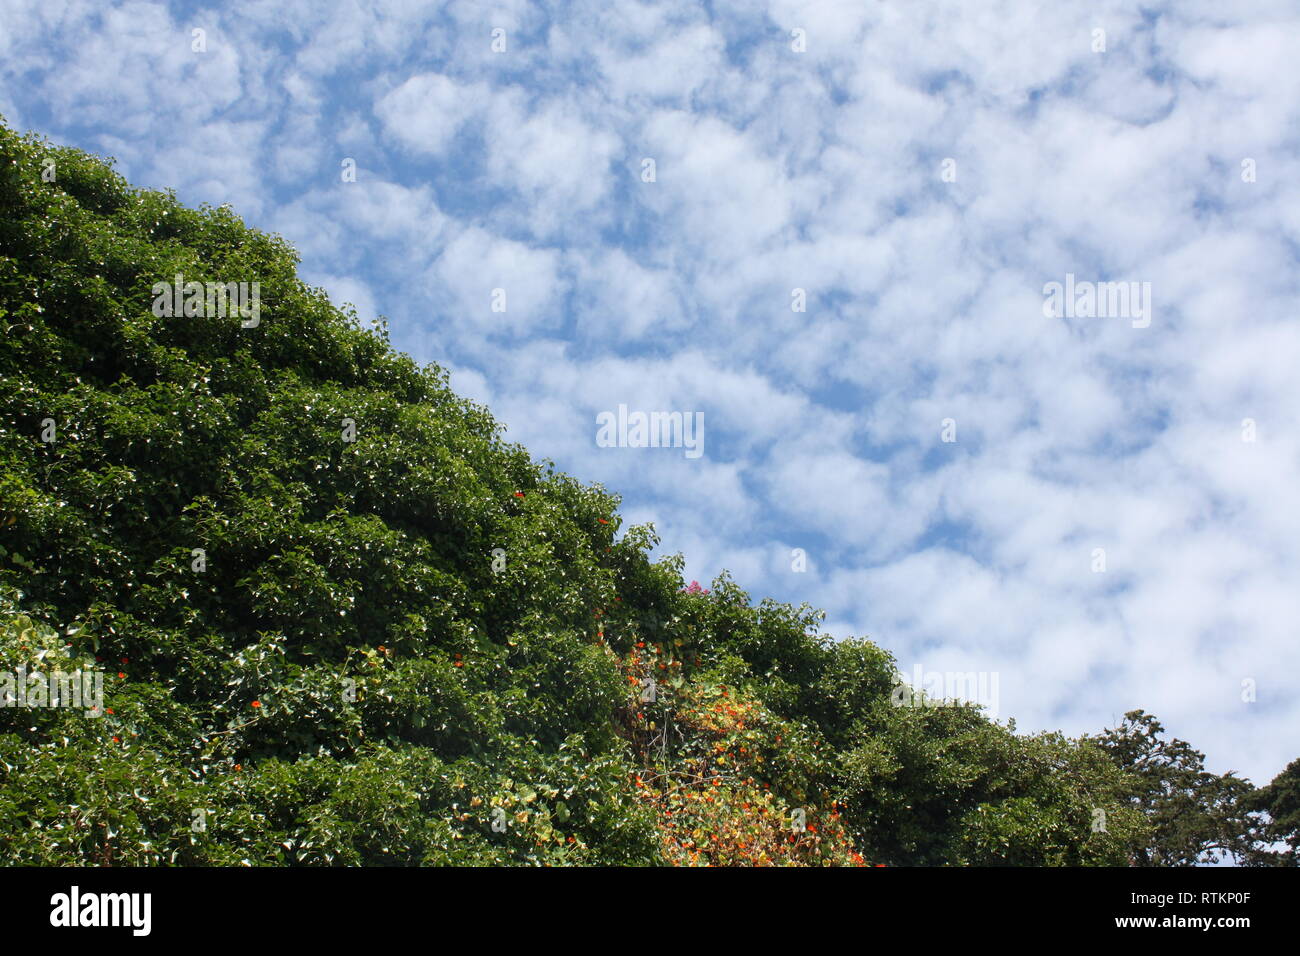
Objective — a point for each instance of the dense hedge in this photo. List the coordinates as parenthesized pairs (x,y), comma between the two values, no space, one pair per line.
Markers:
(417,646)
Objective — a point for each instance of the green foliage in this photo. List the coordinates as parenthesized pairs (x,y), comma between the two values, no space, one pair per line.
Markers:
(1278,832)
(1194,816)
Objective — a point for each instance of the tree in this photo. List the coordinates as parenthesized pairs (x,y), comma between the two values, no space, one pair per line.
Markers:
(1279,802)
(1195,816)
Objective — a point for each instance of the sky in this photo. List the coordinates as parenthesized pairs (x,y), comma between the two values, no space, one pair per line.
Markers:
(832,229)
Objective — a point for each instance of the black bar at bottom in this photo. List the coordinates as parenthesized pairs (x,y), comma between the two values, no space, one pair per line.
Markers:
(259,906)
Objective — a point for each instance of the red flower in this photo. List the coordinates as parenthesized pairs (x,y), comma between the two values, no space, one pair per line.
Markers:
(121,675)
(519,494)
(257,703)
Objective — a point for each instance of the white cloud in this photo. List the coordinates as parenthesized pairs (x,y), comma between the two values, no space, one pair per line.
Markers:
(426,112)
(479,270)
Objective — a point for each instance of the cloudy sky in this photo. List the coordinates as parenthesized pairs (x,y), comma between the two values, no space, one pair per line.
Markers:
(656,189)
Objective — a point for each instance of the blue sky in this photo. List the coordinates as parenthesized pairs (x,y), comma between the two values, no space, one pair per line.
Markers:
(1169,157)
